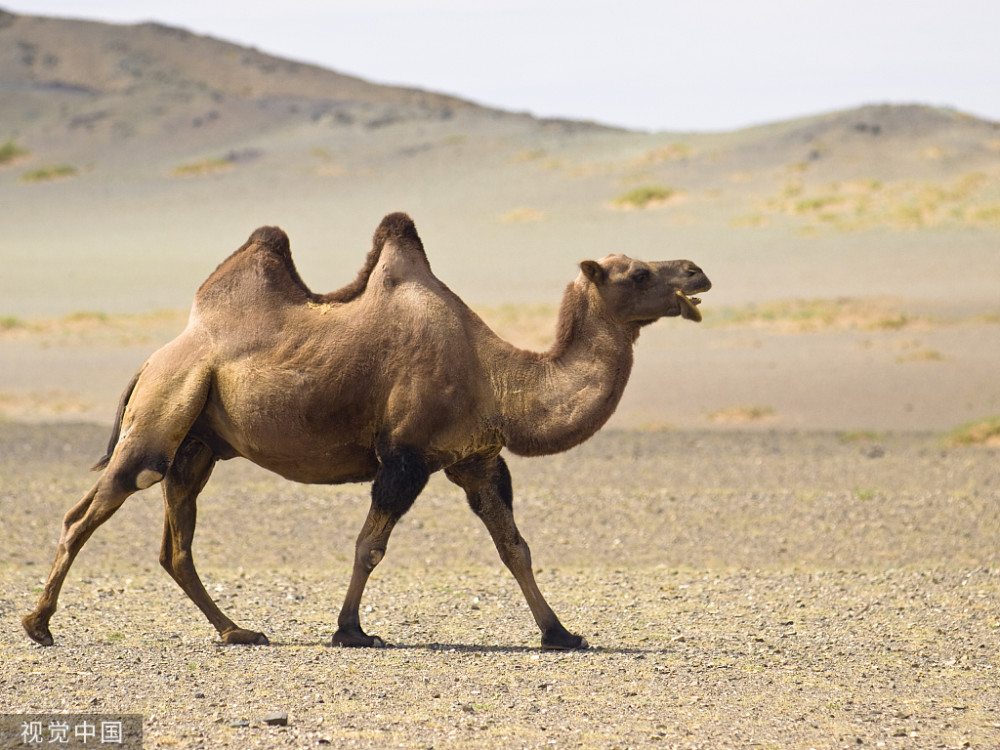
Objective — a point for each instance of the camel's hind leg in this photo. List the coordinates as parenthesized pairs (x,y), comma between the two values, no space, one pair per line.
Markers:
(488,487)
(163,404)
(96,507)
(190,470)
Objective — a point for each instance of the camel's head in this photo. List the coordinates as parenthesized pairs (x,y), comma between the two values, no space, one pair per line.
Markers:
(637,292)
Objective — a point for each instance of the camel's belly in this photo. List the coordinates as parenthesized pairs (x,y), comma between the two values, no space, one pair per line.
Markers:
(342,464)
(316,447)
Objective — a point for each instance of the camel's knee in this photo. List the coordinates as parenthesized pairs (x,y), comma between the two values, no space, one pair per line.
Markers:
(173,561)
(96,507)
(515,552)
(167,554)
(369,558)
(130,474)
(166,559)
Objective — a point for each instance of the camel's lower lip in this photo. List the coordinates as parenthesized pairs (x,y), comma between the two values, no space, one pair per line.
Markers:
(689,307)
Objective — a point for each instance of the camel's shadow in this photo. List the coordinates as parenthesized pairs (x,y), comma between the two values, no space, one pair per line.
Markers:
(466,648)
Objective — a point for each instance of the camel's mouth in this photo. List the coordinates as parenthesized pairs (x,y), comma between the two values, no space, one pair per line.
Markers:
(689,307)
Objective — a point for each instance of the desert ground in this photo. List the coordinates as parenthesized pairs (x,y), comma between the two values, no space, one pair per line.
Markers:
(773,589)
(786,537)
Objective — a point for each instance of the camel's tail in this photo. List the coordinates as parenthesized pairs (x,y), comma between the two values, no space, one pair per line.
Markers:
(117,429)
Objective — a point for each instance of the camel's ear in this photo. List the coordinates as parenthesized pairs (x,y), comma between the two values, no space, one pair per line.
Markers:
(594,271)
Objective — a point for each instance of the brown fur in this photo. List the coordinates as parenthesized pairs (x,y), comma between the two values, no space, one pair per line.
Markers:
(388,379)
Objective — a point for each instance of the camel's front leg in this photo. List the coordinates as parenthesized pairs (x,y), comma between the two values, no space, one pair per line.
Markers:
(488,487)
(401,476)
(190,470)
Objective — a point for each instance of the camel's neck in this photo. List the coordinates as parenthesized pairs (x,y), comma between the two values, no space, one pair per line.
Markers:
(553,401)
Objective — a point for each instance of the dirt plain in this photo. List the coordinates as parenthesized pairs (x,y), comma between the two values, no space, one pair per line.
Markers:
(739,589)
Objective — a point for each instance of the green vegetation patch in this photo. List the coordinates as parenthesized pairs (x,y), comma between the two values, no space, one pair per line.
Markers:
(9,151)
(47,174)
(645,196)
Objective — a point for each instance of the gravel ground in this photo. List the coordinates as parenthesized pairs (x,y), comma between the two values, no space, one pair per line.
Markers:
(773,590)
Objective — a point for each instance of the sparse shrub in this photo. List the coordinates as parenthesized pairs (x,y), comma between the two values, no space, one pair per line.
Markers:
(203,167)
(751,220)
(864,203)
(87,316)
(981,432)
(737,414)
(529,155)
(9,151)
(669,152)
(807,315)
(923,355)
(45,174)
(643,196)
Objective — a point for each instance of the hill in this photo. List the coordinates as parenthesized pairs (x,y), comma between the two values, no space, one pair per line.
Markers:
(66,83)
(80,86)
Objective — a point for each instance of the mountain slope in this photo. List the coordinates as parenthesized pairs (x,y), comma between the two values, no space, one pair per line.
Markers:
(69,81)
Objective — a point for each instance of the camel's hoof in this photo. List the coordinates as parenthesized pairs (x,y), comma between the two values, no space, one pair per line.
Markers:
(245,638)
(565,642)
(37,631)
(356,638)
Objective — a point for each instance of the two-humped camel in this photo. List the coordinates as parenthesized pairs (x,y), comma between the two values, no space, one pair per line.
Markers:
(389,379)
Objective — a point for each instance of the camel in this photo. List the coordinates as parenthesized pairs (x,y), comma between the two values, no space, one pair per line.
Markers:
(387,380)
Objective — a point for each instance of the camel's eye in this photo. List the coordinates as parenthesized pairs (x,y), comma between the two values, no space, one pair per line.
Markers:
(640,276)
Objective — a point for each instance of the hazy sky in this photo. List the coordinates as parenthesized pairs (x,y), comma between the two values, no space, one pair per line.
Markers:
(653,64)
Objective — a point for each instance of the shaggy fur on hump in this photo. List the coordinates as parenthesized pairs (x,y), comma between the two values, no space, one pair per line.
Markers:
(397,227)
(271,243)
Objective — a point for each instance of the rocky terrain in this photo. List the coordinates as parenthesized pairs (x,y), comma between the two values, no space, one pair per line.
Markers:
(773,590)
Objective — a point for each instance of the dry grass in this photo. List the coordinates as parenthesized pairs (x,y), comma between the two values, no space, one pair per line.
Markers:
(971,199)
(808,315)
(202,167)
(10,152)
(89,328)
(522,214)
(922,355)
(645,196)
(981,432)
(50,403)
(669,152)
(741,414)
(527,155)
(47,174)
